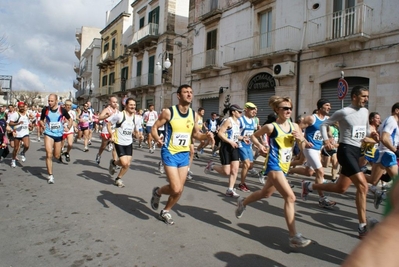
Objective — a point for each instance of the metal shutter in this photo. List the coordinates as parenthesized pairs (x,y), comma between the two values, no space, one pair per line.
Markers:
(329,91)
(261,99)
(210,105)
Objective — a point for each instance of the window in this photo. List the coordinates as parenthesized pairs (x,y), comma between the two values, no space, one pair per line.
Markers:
(151,66)
(265,30)
(106,47)
(153,16)
(124,77)
(211,40)
(138,69)
(141,22)
(343,18)
(113,45)
(104,81)
(112,78)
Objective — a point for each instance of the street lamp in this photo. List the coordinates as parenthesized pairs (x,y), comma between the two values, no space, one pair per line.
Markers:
(164,68)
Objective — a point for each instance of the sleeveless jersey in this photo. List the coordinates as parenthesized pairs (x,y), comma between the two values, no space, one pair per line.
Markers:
(313,134)
(234,132)
(53,122)
(281,144)
(247,127)
(212,125)
(72,114)
(21,130)
(178,131)
(200,123)
(104,129)
(124,127)
(85,115)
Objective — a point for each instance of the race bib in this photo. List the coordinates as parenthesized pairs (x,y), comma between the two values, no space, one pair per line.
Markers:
(235,137)
(181,139)
(317,136)
(286,155)
(359,132)
(55,125)
(248,133)
(127,131)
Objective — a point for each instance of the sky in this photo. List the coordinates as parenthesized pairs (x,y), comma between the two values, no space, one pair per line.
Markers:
(39,40)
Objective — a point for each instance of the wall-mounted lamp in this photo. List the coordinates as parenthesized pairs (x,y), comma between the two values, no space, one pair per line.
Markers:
(222,88)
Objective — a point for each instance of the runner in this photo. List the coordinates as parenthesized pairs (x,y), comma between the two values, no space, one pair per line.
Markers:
(139,122)
(10,134)
(149,118)
(388,153)
(180,123)
(105,116)
(353,127)
(68,135)
(85,119)
(39,129)
(212,125)
(283,134)
(229,134)
(21,125)
(122,138)
(311,124)
(248,126)
(50,120)
(203,144)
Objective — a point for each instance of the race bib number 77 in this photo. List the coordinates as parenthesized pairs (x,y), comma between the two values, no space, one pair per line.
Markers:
(181,139)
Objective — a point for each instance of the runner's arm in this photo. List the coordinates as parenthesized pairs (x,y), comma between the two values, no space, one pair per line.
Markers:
(163,118)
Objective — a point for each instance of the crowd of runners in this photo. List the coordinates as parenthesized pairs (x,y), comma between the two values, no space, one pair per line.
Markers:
(357,146)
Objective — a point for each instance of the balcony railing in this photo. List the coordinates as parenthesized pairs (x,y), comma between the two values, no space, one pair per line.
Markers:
(351,23)
(86,69)
(208,6)
(82,93)
(76,67)
(287,38)
(106,90)
(76,84)
(151,29)
(78,34)
(143,80)
(210,58)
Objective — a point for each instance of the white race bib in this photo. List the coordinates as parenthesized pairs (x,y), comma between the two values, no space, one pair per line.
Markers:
(359,132)
(317,136)
(286,155)
(248,133)
(181,139)
(55,125)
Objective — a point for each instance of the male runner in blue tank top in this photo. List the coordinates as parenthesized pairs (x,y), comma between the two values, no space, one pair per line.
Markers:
(311,124)
(353,128)
(51,121)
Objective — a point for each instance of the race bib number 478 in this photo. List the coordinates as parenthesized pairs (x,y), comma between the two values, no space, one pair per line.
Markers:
(359,132)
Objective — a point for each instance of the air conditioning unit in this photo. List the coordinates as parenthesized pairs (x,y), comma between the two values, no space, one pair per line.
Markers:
(284,69)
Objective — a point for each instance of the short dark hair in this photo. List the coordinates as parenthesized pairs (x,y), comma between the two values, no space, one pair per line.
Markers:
(395,106)
(372,115)
(130,99)
(200,109)
(356,90)
(213,113)
(181,87)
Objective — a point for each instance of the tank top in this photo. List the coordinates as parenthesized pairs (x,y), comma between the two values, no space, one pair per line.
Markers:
(234,132)
(313,134)
(85,115)
(53,122)
(281,144)
(124,128)
(178,131)
(247,127)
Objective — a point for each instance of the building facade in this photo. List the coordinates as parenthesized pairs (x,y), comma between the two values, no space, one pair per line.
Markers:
(249,50)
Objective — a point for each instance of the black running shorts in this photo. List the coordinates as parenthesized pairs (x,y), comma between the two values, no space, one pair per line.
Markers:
(123,150)
(348,157)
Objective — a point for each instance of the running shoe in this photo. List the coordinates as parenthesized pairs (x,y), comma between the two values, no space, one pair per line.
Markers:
(140,146)
(50,179)
(111,168)
(208,168)
(85,149)
(110,147)
(189,175)
(38,139)
(305,190)
(155,199)
(166,217)
(231,193)
(196,155)
(240,207)
(161,168)
(379,196)
(324,202)
(13,165)
(119,183)
(67,157)
(243,187)
(253,171)
(23,158)
(298,241)
(261,178)
(89,143)
(362,232)
(98,158)
(151,151)
(214,154)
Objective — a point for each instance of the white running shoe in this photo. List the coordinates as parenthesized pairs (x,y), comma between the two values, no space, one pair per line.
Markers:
(50,179)
(23,158)
(208,168)
(13,165)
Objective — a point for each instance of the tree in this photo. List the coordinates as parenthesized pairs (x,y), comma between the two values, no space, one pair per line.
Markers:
(29,97)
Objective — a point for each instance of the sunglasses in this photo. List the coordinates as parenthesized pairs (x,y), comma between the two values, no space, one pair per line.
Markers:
(286,108)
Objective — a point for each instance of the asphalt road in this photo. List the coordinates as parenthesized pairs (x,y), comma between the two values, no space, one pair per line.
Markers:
(84,220)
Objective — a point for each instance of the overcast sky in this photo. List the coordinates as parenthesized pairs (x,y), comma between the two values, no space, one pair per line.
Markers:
(40,35)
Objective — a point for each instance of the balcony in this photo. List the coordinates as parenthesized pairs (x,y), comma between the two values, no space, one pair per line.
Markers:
(76,84)
(106,90)
(345,26)
(76,67)
(82,93)
(106,59)
(209,12)
(143,80)
(77,51)
(86,69)
(282,41)
(78,35)
(206,61)
(145,36)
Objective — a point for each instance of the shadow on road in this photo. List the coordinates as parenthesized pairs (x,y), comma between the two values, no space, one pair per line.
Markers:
(97,176)
(246,260)
(135,206)
(39,172)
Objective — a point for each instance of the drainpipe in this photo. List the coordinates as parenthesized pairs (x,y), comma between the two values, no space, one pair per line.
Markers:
(298,72)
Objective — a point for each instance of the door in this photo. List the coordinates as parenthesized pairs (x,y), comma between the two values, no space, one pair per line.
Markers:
(151,65)
(343,18)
